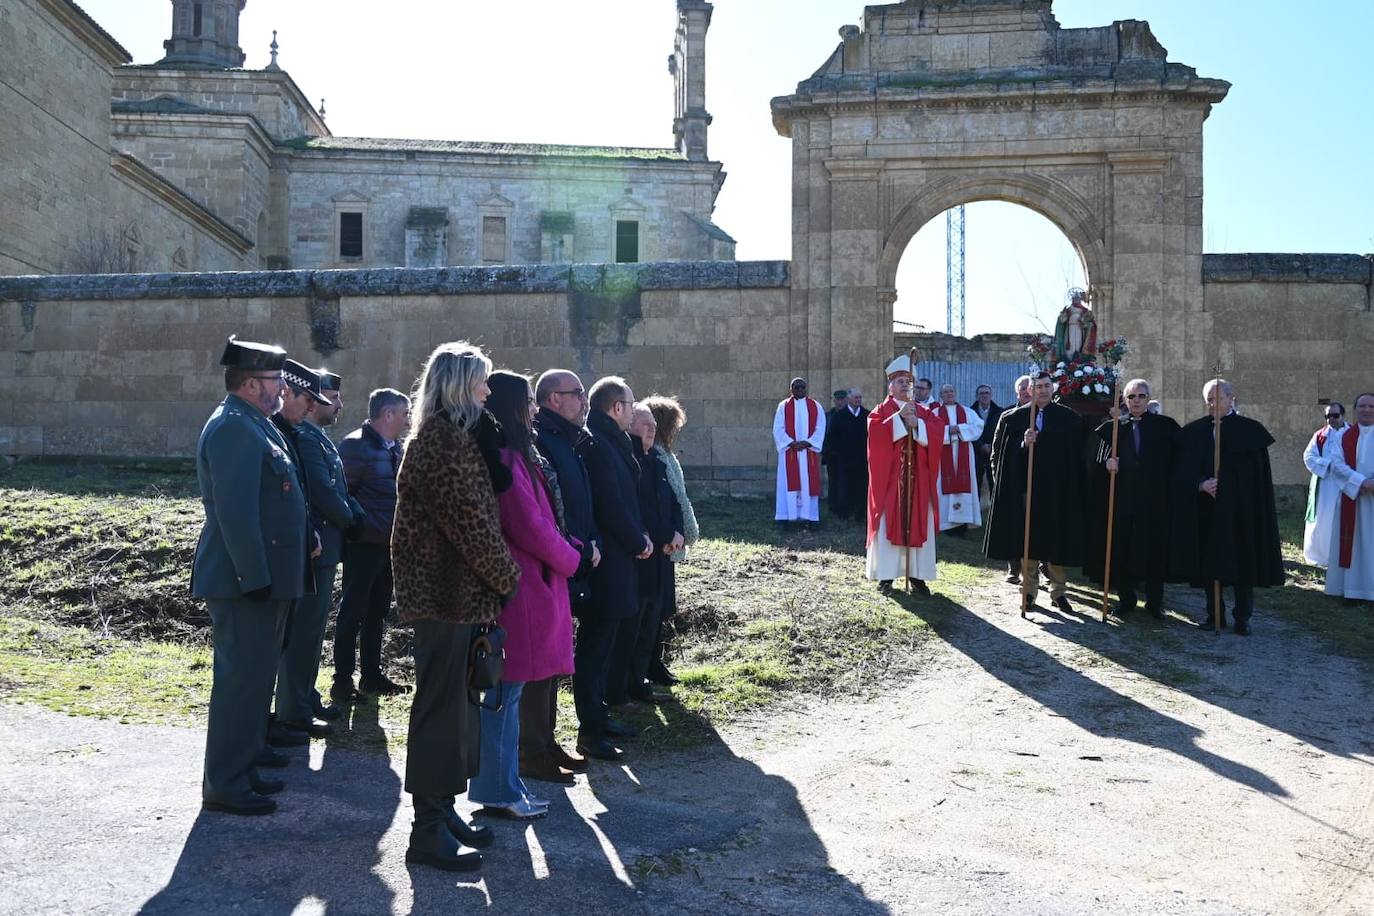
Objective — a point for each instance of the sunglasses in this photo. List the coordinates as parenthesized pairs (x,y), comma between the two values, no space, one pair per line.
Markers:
(1333,416)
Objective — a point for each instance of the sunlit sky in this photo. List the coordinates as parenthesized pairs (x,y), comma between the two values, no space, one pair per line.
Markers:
(1287,152)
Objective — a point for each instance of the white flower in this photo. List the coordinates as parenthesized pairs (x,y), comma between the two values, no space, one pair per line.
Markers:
(1060,364)
(1101,371)
(1078,373)
(1102,389)
(1058,373)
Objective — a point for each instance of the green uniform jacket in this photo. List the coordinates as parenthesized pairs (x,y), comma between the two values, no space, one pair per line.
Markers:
(256,524)
(331,508)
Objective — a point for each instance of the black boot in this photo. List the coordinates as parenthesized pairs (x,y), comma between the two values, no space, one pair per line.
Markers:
(432,844)
(465,833)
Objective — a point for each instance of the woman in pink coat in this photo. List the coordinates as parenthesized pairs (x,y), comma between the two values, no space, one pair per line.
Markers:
(538,619)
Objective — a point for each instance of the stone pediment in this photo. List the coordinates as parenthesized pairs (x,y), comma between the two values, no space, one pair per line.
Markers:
(496,201)
(350,197)
(994,47)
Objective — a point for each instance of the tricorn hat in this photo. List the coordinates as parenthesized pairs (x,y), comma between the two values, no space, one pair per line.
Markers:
(899,367)
(303,378)
(245,354)
(328,380)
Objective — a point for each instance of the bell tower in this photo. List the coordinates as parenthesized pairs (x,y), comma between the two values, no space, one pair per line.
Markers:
(205,35)
(688,66)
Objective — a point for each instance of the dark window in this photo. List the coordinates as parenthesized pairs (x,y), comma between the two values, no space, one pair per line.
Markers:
(350,235)
(626,241)
(195,29)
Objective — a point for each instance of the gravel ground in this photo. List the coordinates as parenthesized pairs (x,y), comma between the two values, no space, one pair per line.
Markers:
(1046,766)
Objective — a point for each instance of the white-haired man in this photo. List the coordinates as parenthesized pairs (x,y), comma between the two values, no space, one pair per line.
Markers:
(959,507)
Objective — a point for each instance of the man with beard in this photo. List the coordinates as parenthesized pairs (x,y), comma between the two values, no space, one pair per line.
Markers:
(1056,502)
(1223,526)
(1140,531)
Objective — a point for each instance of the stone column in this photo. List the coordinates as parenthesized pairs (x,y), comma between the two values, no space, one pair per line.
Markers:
(848,337)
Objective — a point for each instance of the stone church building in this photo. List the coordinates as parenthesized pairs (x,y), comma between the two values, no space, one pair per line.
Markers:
(193,163)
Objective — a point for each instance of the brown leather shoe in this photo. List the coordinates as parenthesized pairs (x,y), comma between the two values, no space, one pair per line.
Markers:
(544,769)
(568,761)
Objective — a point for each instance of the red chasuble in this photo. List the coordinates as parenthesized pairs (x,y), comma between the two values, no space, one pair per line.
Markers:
(813,458)
(887,476)
(954,471)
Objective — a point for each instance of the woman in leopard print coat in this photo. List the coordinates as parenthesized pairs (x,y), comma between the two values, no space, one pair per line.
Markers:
(452,570)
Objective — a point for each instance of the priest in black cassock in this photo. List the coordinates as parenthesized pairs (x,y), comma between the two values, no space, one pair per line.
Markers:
(846,456)
(1140,529)
(1056,528)
(1222,523)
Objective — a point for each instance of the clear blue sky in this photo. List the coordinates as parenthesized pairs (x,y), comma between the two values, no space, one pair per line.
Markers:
(1287,153)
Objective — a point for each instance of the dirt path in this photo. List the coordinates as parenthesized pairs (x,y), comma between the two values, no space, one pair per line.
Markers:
(1055,766)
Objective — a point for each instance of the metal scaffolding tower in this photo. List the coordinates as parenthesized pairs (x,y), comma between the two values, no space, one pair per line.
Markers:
(954,268)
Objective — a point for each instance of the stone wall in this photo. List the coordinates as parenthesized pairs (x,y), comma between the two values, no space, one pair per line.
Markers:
(126,365)
(1293,332)
(949,348)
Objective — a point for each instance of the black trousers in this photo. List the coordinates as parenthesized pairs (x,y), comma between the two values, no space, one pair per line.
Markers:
(538,717)
(1244,602)
(596,634)
(1128,586)
(635,652)
(363,606)
(442,745)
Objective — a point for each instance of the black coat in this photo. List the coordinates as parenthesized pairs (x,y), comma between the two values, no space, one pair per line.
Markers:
(662,517)
(293,445)
(1234,537)
(559,441)
(1057,501)
(1140,530)
(614,476)
(371,471)
(846,438)
(989,423)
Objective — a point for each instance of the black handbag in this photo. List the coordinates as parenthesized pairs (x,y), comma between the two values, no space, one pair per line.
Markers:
(486,662)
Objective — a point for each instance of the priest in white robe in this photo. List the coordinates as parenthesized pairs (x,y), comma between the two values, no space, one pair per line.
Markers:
(959,507)
(798,434)
(1350,570)
(903,476)
(1322,495)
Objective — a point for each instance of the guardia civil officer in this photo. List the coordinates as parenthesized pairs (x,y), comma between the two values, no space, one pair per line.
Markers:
(251,563)
(332,511)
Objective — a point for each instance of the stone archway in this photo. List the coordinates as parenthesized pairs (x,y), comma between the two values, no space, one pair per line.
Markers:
(934,103)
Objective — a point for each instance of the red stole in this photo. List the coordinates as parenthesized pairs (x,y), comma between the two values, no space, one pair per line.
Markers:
(954,473)
(1350,444)
(813,460)
(1322,435)
(887,475)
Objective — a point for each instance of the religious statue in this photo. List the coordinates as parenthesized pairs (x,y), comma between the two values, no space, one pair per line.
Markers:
(1075,331)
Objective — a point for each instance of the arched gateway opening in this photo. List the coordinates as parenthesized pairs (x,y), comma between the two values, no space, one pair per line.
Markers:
(934,103)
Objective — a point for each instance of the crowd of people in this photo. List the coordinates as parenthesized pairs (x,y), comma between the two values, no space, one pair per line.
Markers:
(1180,512)
(497,509)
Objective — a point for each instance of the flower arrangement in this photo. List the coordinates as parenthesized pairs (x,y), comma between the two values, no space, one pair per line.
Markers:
(1080,377)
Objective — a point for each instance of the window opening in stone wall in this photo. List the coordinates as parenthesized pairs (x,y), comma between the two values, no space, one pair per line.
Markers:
(199,18)
(350,235)
(493,239)
(626,241)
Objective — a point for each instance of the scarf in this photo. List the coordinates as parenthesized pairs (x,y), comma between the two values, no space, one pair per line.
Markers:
(813,459)
(1350,444)
(954,473)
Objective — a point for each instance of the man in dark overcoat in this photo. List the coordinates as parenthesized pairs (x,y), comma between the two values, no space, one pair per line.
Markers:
(1056,511)
(1140,529)
(608,455)
(251,563)
(1223,524)
(989,411)
(846,448)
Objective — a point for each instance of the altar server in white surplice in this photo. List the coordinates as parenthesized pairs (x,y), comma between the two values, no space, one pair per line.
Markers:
(798,434)
(1350,566)
(1322,495)
(959,463)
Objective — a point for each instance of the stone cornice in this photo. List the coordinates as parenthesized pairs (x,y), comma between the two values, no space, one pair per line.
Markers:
(86,28)
(396,281)
(153,73)
(254,132)
(1288,268)
(139,175)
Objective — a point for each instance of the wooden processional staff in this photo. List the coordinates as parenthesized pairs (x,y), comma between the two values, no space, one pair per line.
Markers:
(1216,476)
(1111,501)
(910,471)
(1025,536)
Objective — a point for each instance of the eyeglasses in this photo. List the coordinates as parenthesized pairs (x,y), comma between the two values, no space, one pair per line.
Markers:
(269,378)
(1333,416)
(1137,397)
(631,403)
(580,392)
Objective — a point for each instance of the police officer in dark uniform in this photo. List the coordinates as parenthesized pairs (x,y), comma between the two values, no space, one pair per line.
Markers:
(333,512)
(295,722)
(251,564)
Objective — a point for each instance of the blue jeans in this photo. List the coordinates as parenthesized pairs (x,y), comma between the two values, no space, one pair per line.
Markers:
(498,779)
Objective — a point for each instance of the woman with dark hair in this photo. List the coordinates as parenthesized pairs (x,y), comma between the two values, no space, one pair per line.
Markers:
(452,571)
(538,620)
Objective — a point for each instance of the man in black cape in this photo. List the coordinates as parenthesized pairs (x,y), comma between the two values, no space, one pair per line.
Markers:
(1140,531)
(1056,528)
(1222,523)
(846,455)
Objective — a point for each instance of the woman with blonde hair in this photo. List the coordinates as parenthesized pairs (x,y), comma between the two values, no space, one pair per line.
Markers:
(670,417)
(452,571)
